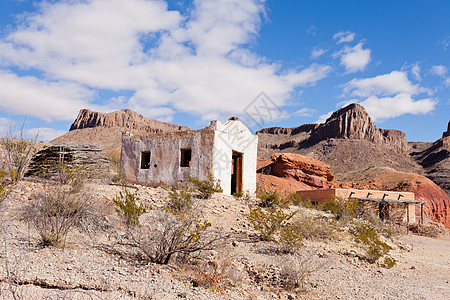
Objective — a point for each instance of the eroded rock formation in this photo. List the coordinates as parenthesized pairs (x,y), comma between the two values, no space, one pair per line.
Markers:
(90,156)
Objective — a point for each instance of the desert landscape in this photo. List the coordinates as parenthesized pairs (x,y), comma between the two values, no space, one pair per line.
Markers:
(72,228)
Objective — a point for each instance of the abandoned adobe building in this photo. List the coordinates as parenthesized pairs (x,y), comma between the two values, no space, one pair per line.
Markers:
(227,150)
(399,207)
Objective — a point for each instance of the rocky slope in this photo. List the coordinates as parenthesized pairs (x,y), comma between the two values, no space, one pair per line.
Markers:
(435,159)
(348,134)
(105,129)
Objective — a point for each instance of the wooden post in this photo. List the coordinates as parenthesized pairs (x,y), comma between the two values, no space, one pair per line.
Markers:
(421,213)
(407,218)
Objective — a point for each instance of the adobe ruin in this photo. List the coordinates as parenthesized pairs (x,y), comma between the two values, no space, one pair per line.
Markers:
(227,150)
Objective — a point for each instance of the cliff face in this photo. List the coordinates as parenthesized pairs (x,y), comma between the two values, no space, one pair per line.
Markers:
(353,122)
(447,133)
(105,129)
(124,118)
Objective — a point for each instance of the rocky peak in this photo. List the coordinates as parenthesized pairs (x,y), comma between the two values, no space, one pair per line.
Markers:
(353,122)
(447,133)
(125,118)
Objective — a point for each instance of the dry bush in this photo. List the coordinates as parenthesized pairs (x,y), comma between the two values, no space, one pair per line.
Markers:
(290,238)
(432,230)
(206,188)
(127,208)
(268,222)
(61,207)
(344,209)
(296,270)
(178,228)
(180,198)
(315,228)
(18,151)
(367,238)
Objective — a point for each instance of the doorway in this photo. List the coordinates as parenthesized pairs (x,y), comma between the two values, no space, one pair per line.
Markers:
(236,172)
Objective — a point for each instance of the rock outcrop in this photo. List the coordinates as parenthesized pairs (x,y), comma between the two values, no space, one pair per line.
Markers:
(447,133)
(125,118)
(90,156)
(351,122)
(435,159)
(305,172)
(106,129)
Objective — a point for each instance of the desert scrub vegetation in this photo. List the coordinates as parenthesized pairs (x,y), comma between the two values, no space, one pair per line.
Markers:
(127,206)
(178,228)
(60,208)
(18,151)
(268,221)
(367,237)
(316,227)
(343,209)
(206,188)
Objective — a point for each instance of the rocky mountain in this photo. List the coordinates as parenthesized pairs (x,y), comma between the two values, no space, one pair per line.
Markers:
(347,134)
(105,129)
(435,159)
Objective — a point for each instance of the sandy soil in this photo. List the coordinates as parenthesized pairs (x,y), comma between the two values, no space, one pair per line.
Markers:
(97,266)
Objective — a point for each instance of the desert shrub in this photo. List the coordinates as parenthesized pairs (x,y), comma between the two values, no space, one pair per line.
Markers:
(269,199)
(18,151)
(367,238)
(388,263)
(127,207)
(114,160)
(343,209)
(298,200)
(427,230)
(180,198)
(167,234)
(59,209)
(290,238)
(311,228)
(5,187)
(206,188)
(268,222)
(296,269)
(242,195)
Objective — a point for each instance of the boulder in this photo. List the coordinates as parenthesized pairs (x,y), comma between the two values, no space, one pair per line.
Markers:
(296,165)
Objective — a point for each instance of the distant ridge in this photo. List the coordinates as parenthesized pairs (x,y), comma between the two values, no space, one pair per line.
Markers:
(105,129)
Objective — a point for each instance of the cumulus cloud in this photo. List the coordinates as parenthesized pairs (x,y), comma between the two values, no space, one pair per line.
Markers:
(315,53)
(387,84)
(355,58)
(344,37)
(45,134)
(390,107)
(40,98)
(389,96)
(439,70)
(162,60)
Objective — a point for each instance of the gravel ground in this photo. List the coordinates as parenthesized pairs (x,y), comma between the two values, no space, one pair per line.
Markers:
(97,266)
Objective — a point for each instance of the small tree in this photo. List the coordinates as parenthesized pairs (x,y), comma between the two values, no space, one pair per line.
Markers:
(367,238)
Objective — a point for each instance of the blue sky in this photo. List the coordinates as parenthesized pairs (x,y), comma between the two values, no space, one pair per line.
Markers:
(188,62)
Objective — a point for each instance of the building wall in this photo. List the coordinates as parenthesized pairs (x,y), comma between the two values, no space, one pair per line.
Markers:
(398,212)
(231,136)
(165,156)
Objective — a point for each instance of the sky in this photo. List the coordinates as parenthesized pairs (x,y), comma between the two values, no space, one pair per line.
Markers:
(271,63)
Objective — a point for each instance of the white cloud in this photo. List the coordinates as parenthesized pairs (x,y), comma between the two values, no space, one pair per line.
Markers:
(447,82)
(354,59)
(199,63)
(305,112)
(415,71)
(324,117)
(390,107)
(389,96)
(382,85)
(43,99)
(45,134)
(439,70)
(315,53)
(344,37)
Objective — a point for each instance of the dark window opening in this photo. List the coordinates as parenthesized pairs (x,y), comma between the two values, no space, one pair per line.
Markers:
(145,160)
(186,157)
(383,209)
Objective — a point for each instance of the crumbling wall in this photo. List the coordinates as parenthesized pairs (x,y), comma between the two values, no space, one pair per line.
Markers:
(165,156)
